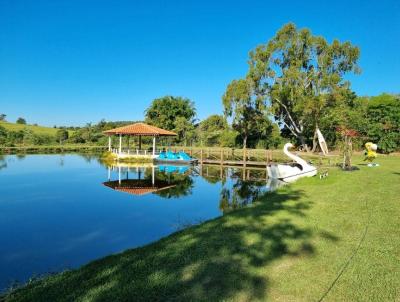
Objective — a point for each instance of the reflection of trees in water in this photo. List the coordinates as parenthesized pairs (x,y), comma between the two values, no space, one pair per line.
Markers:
(20,156)
(89,157)
(3,163)
(183,184)
(249,174)
(211,174)
(247,185)
(61,162)
(241,194)
(215,174)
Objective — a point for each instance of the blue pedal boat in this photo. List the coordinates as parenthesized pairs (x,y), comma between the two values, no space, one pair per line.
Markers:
(181,158)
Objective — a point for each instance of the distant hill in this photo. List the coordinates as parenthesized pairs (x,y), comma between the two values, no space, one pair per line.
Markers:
(35,129)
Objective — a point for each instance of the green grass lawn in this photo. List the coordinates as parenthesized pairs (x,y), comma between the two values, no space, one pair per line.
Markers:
(35,129)
(335,239)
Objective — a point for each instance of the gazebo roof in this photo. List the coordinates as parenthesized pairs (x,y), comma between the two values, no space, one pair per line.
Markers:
(136,186)
(141,191)
(140,129)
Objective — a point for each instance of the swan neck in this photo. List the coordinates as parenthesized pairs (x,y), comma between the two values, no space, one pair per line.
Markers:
(294,157)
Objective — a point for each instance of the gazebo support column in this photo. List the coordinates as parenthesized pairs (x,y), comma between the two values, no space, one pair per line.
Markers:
(120,143)
(154,145)
(109,143)
(140,142)
(152,176)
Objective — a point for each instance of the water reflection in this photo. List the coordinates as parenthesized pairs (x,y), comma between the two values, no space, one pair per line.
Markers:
(3,163)
(239,187)
(241,194)
(62,211)
(21,156)
(164,181)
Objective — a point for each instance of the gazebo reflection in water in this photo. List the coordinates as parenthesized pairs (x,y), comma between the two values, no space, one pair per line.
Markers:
(141,180)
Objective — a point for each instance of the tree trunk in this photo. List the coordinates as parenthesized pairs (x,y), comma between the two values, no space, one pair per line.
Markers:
(348,150)
(303,143)
(315,144)
(244,147)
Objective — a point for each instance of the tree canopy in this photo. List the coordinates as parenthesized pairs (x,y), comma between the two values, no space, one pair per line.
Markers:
(247,111)
(383,117)
(21,120)
(62,135)
(175,114)
(299,75)
(211,129)
(164,111)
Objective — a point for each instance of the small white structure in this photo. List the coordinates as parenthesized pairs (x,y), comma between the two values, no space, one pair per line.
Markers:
(291,172)
(322,142)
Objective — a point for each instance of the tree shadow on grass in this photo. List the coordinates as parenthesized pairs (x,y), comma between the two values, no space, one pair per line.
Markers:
(218,260)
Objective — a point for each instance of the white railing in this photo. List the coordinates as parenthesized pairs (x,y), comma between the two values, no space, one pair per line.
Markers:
(134,152)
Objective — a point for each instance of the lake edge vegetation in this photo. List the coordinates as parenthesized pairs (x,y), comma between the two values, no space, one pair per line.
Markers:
(375,119)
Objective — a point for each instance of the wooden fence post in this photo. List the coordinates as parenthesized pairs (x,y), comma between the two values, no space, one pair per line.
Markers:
(201,156)
(222,157)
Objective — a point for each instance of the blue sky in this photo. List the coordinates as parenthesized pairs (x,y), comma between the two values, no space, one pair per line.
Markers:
(72,62)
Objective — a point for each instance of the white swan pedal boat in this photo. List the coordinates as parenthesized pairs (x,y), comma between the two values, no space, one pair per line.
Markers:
(291,172)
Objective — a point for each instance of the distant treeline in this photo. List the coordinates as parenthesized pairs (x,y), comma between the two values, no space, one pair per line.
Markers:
(374,119)
(33,135)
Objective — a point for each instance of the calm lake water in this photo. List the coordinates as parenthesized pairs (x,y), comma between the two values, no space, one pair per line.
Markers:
(61,211)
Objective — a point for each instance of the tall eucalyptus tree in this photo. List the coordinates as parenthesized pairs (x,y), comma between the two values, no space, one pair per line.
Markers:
(299,75)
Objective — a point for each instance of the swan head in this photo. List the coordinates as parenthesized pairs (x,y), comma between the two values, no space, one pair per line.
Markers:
(288,146)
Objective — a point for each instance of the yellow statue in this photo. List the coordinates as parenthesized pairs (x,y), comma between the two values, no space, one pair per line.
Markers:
(370,154)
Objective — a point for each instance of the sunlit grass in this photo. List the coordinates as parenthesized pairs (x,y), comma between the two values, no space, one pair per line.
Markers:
(40,130)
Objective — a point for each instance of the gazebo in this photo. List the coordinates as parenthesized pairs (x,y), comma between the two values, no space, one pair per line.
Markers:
(137,129)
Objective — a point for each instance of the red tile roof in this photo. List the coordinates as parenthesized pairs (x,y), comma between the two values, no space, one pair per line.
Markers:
(135,187)
(140,129)
(141,191)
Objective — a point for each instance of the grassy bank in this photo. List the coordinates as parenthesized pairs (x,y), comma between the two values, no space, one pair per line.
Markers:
(52,149)
(40,130)
(334,239)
